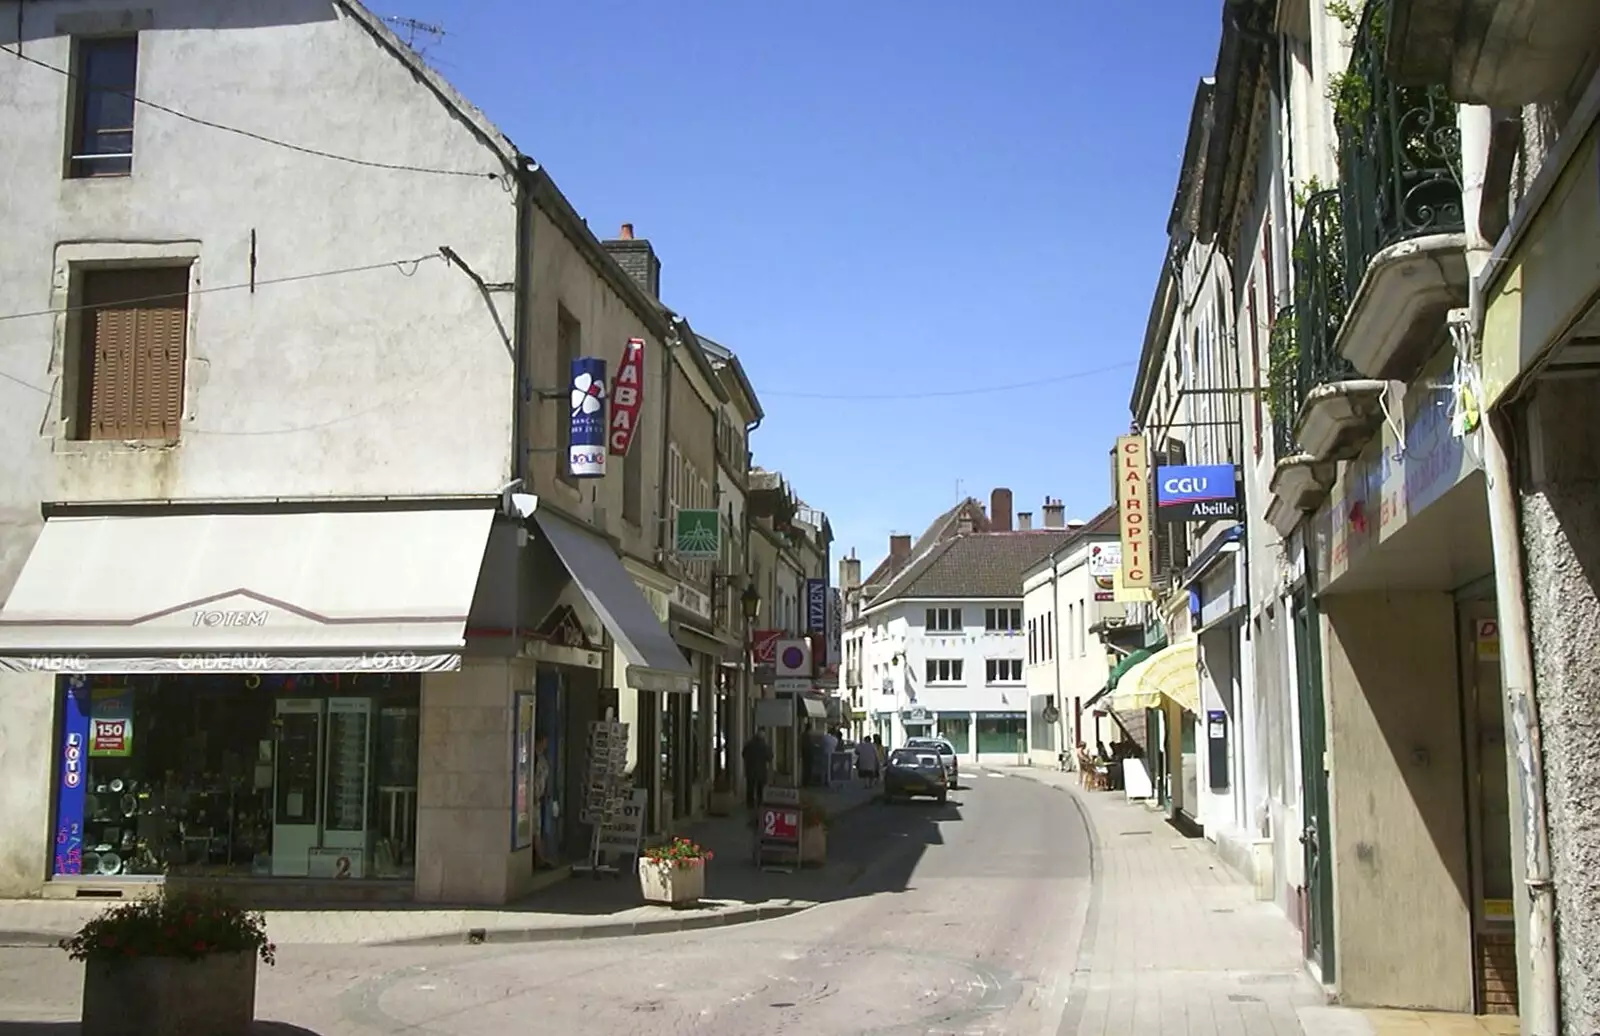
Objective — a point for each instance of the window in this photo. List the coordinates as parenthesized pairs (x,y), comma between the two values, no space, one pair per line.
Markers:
(1003,670)
(1002,620)
(102,115)
(1083,627)
(130,357)
(943,620)
(944,670)
(1033,641)
(1047,643)
(569,336)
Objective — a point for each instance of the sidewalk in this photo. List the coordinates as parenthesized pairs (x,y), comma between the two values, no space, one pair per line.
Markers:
(579,907)
(1177,943)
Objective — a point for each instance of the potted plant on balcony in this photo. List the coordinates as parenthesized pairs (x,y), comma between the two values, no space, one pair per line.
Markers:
(176,962)
(674,873)
(813,834)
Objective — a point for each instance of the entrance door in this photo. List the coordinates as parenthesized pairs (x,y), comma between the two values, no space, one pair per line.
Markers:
(547,720)
(1494,930)
(1314,780)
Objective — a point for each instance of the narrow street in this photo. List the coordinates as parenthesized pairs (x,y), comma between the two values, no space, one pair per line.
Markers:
(967,922)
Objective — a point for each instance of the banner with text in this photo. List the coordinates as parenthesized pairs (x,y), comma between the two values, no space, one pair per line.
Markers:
(1132,474)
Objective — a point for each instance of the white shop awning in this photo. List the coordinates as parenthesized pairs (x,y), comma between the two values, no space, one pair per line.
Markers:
(654,661)
(332,591)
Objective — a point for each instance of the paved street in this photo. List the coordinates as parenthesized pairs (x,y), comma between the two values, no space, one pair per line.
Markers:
(966,921)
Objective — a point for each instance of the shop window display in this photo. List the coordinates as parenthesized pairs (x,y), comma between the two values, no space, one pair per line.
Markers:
(238,776)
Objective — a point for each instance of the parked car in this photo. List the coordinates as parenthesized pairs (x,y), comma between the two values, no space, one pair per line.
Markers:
(946,752)
(912,772)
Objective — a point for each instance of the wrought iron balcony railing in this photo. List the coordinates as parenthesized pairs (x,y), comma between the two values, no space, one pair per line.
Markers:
(1301,349)
(1399,151)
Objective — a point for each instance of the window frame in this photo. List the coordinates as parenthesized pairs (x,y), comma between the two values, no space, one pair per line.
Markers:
(992,671)
(943,621)
(569,346)
(79,162)
(953,670)
(79,346)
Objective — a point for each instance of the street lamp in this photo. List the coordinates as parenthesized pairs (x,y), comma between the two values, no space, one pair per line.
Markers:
(750,601)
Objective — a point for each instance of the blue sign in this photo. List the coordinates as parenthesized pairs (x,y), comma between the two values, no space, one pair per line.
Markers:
(586,444)
(817,606)
(74,776)
(1197,492)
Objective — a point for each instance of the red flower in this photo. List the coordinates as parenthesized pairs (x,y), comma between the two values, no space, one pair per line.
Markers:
(200,947)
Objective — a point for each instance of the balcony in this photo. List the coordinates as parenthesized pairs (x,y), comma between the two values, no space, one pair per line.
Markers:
(1400,199)
(1502,53)
(1319,408)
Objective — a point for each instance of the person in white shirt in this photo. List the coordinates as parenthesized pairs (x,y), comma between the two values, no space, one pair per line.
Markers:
(867,760)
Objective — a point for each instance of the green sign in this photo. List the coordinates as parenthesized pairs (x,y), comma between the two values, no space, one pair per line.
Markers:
(698,535)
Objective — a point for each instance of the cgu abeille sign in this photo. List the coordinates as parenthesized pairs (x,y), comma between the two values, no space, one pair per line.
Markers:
(1197,492)
(1131,469)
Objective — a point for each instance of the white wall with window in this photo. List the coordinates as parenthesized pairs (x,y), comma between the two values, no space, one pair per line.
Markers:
(1066,665)
(954,668)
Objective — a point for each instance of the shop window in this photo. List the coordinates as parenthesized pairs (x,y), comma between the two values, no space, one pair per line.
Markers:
(238,776)
(956,728)
(1000,733)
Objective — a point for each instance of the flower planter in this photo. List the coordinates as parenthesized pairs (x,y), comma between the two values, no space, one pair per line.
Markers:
(215,995)
(672,883)
(814,845)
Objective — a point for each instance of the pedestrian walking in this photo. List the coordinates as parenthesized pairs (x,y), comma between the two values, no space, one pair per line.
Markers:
(867,760)
(757,760)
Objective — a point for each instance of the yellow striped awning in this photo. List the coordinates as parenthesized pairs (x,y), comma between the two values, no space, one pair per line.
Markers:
(1169,673)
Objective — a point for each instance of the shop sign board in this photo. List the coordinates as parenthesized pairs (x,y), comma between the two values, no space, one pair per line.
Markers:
(627,397)
(68,850)
(778,834)
(111,723)
(697,534)
(764,646)
(816,606)
(619,835)
(835,630)
(1131,470)
(793,659)
(586,421)
(522,804)
(1197,492)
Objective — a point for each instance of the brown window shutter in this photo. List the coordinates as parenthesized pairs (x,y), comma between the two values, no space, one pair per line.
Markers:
(133,381)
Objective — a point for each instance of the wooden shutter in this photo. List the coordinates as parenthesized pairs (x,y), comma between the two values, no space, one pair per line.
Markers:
(134,336)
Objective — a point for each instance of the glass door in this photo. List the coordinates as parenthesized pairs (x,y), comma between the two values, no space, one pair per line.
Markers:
(343,852)
(297,786)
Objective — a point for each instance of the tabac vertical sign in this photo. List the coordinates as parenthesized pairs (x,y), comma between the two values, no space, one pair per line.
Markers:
(627,395)
(586,449)
(1132,473)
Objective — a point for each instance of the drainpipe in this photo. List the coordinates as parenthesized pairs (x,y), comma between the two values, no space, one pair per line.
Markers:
(672,341)
(1541,1001)
(1055,655)
(521,308)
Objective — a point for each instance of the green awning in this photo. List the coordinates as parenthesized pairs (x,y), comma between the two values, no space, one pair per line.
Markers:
(1127,662)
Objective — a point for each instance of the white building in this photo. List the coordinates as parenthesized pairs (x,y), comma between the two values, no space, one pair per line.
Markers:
(258,552)
(945,648)
(1064,596)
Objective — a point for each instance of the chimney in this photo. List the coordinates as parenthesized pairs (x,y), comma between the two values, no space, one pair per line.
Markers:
(637,259)
(1024,521)
(964,523)
(899,551)
(1000,510)
(1055,513)
(849,573)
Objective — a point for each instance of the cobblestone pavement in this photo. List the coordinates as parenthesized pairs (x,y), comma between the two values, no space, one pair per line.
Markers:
(965,922)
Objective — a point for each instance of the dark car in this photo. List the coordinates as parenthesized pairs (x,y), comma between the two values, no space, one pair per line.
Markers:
(912,772)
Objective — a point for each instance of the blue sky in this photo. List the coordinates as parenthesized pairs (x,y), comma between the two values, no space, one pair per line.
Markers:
(894,197)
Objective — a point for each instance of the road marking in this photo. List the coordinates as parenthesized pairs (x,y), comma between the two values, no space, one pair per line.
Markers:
(991,773)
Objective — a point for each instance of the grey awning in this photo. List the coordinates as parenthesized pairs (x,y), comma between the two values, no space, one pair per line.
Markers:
(654,661)
(814,709)
(247,592)
(703,641)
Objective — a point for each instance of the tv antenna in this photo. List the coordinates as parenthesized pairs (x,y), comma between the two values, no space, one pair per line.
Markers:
(413,28)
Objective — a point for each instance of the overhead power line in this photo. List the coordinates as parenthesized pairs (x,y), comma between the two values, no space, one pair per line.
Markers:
(398,264)
(948,393)
(252,135)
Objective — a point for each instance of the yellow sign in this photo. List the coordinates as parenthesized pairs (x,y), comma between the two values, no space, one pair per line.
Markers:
(1488,639)
(1131,472)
